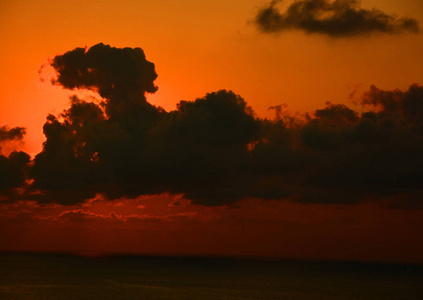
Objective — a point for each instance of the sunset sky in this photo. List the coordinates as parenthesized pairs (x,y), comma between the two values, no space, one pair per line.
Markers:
(322,187)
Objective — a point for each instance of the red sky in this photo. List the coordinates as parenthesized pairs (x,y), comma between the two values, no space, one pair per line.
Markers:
(277,229)
(200,47)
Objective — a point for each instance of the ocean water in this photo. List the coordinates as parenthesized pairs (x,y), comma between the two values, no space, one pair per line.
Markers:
(73,277)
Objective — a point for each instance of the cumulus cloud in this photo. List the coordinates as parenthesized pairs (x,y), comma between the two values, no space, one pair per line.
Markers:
(338,18)
(14,166)
(125,146)
(194,150)
(12,170)
(215,150)
(121,76)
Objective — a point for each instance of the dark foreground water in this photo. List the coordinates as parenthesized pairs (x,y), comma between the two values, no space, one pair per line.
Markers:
(60,276)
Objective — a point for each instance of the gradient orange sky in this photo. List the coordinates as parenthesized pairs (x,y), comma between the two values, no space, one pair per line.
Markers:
(199,47)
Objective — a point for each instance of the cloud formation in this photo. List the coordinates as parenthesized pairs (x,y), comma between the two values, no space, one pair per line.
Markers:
(13,170)
(215,150)
(14,166)
(339,18)
(15,133)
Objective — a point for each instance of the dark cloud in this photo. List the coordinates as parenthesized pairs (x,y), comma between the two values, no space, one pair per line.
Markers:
(125,146)
(13,170)
(339,18)
(375,153)
(197,150)
(13,167)
(214,150)
(121,76)
(338,155)
(15,133)
(201,148)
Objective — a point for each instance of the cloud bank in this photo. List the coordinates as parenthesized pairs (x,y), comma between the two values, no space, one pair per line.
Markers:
(339,18)
(215,150)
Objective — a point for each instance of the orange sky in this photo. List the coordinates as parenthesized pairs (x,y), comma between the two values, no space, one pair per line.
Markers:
(199,47)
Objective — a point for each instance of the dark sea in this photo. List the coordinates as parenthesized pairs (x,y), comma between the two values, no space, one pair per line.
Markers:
(72,277)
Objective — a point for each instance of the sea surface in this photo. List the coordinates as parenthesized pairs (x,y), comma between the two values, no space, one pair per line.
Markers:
(42,276)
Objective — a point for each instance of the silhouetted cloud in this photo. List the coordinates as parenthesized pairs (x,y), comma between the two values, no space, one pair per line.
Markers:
(15,133)
(339,18)
(214,150)
(121,76)
(12,173)
(14,166)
